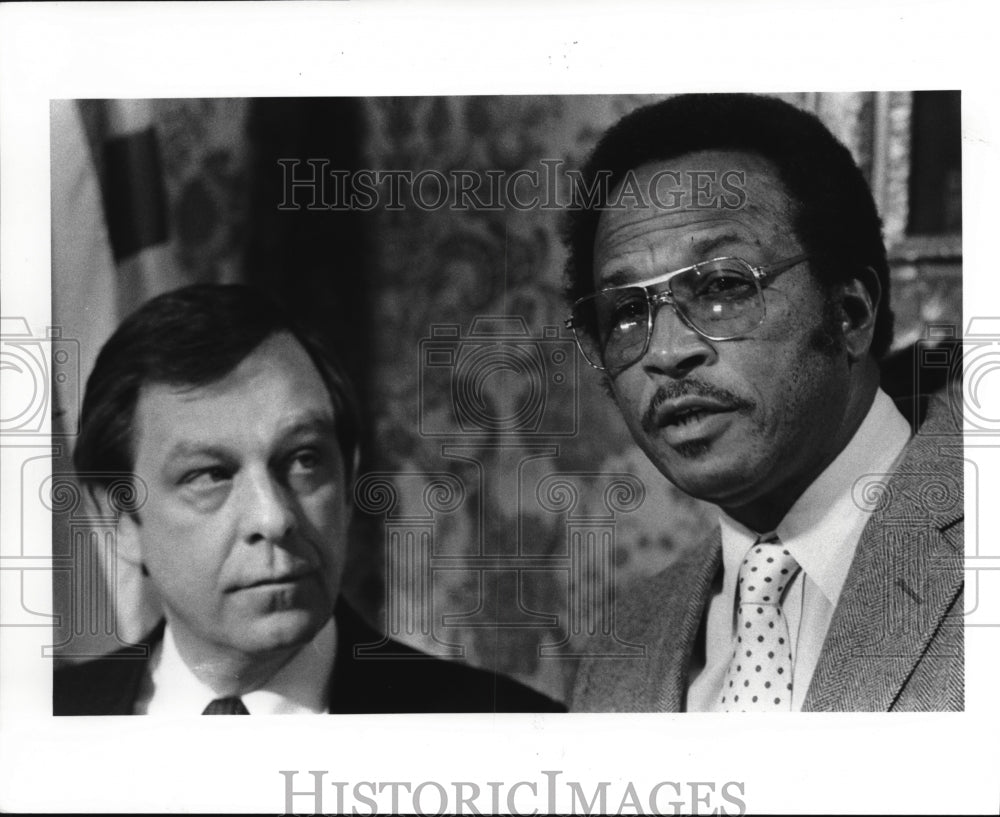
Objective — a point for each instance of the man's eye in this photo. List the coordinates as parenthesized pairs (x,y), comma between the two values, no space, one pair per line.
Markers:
(308,469)
(627,312)
(725,285)
(203,478)
(305,461)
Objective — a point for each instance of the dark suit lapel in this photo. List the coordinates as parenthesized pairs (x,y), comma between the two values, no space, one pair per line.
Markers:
(120,696)
(131,672)
(906,573)
(109,685)
(359,685)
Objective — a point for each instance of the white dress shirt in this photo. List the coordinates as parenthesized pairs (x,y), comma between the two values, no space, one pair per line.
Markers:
(821,530)
(298,688)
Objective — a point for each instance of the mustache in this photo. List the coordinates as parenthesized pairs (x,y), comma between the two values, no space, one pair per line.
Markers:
(688,388)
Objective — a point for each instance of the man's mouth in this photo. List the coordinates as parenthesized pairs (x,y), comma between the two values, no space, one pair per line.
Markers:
(692,418)
(692,413)
(687,417)
(290,577)
(688,411)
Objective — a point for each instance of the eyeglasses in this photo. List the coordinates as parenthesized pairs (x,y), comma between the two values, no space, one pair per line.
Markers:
(719,299)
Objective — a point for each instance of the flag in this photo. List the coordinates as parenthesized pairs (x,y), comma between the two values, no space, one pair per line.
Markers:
(110,252)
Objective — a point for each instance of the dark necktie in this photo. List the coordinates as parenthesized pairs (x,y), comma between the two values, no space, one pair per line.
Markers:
(226,706)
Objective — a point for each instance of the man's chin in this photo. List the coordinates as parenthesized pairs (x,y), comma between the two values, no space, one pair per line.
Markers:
(691,459)
(695,472)
(692,449)
(287,629)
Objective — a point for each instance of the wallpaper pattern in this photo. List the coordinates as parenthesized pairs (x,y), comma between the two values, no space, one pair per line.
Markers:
(502,504)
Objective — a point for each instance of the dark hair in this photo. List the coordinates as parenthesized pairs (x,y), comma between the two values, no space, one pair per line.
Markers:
(190,337)
(834,217)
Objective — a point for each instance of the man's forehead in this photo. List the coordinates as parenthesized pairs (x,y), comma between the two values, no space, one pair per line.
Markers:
(695,203)
(701,182)
(277,361)
(274,390)
(694,231)
(718,162)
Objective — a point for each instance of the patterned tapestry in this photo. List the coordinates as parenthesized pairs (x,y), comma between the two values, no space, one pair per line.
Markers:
(502,508)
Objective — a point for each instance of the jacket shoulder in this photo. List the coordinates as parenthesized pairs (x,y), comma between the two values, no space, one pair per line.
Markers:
(102,686)
(656,620)
(396,678)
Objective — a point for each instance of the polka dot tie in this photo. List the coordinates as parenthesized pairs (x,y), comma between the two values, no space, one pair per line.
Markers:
(759,678)
(226,706)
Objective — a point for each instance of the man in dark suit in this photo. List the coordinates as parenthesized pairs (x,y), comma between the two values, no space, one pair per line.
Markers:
(728,276)
(241,434)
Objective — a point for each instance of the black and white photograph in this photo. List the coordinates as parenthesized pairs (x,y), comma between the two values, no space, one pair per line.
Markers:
(561,430)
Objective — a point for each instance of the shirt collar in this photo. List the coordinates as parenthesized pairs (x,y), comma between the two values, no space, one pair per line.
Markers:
(299,687)
(823,527)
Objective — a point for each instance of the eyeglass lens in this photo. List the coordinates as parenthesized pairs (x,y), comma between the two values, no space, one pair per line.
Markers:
(720,299)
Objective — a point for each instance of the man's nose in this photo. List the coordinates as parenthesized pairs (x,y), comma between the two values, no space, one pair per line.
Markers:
(268,511)
(675,349)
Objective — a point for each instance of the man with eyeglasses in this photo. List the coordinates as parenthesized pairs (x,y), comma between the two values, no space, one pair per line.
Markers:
(741,337)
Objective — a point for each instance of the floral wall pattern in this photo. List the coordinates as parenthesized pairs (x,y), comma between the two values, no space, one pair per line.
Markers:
(501,503)
(441,267)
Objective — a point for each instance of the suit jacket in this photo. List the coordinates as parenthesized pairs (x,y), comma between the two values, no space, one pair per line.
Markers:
(896,640)
(406,681)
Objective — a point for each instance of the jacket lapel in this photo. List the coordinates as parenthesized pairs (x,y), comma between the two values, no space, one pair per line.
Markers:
(906,573)
(682,593)
(115,686)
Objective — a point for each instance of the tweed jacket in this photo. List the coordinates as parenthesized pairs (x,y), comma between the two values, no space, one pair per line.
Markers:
(896,639)
(400,679)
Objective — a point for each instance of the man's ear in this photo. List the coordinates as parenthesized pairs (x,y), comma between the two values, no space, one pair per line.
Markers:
(107,502)
(349,489)
(860,297)
(127,540)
